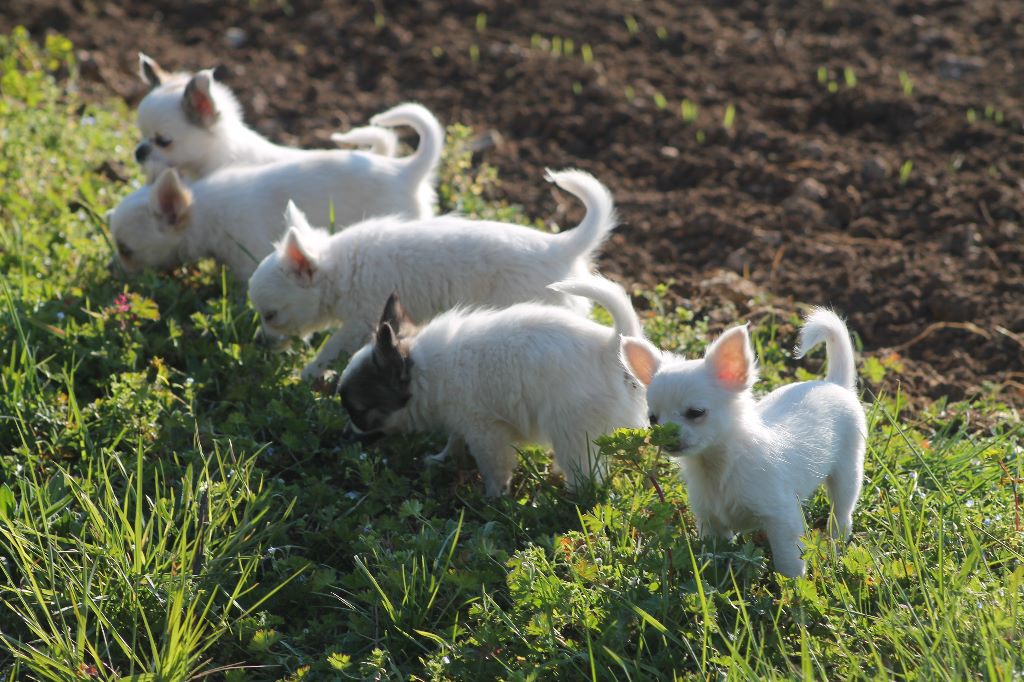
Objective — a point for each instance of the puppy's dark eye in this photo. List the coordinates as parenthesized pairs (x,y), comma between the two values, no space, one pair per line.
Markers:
(654,419)
(161,141)
(269,316)
(124,251)
(695,413)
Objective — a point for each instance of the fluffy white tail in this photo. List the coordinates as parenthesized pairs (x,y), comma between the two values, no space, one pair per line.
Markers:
(608,294)
(422,164)
(380,140)
(825,325)
(600,219)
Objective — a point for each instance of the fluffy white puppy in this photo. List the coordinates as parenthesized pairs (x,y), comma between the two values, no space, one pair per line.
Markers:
(194,123)
(314,281)
(749,464)
(530,373)
(234,215)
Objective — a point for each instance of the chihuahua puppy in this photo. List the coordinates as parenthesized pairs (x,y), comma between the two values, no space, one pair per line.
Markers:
(194,123)
(235,214)
(747,463)
(530,373)
(313,281)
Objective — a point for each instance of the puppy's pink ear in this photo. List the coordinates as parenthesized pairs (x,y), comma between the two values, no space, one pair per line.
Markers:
(150,72)
(197,102)
(171,200)
(297,261)
(641,358)
(731,360)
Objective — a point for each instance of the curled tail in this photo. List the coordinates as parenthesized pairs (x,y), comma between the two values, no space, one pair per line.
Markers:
(380,140)
(608,294)
(421,165)
(600,220)
(825,325)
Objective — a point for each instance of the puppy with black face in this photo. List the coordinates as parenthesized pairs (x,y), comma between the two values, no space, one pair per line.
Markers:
(530,373)
(376,388)
(194,123)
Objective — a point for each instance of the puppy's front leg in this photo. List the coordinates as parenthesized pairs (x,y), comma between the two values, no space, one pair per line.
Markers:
(454,446)
(495,456)
(784,531)
(348,339)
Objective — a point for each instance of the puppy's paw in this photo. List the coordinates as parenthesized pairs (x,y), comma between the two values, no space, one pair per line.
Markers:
(436,459)
(326,384)
(311,372)
(455,445)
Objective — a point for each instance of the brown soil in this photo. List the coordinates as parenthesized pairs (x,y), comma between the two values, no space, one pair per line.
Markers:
(802,196)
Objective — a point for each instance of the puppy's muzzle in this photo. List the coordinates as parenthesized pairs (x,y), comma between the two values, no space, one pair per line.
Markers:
(142,152)
(271,342)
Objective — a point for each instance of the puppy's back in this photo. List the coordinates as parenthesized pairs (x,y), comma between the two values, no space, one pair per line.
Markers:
(533,366)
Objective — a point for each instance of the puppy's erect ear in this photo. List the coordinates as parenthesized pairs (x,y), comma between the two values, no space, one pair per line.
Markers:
(641,358)
(297,261)
(171,200)
(197,102)
(731,360)
(294,217)
(388,354)
(150,72)
(394,315)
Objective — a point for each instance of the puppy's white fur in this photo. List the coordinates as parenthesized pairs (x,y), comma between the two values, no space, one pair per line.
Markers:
(312,282)
(530,373)
(194,123)
(235,214)
(377,140)
(749,464)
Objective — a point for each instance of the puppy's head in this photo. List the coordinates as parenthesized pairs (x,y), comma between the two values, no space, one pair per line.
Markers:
(183,120)
(704,398)
(376,383)
(149,224)
(287,287)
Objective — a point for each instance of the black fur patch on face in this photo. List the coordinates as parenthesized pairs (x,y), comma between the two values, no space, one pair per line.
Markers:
(379,386)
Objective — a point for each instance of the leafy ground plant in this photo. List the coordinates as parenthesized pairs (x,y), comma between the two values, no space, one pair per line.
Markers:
(175,504)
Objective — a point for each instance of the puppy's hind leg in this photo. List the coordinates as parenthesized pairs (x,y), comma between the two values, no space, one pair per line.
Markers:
(843,486)
(492,449)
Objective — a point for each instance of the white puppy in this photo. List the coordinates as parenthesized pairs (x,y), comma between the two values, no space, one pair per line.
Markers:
(530,373)
(749,464)
(194,123)
(234,215)
(313,282)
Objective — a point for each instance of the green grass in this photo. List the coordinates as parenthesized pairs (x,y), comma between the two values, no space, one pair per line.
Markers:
(174,502)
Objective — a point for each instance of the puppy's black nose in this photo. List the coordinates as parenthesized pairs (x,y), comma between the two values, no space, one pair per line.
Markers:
(654,419)
(142,152)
